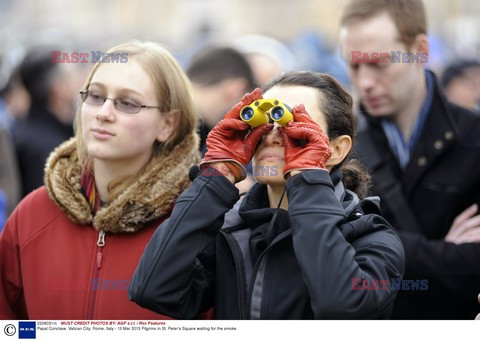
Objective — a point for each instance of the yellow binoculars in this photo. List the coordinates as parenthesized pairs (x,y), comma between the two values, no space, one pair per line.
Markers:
(255,113)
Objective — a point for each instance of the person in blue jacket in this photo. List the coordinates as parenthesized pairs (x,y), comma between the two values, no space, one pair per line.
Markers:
(311,255)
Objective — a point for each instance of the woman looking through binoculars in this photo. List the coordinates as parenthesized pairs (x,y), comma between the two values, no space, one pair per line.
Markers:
(264,257)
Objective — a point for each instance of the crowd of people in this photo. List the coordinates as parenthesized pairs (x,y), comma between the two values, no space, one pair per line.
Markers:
(139,191)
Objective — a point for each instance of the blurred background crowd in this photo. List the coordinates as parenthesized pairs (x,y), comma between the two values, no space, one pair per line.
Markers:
(38,97)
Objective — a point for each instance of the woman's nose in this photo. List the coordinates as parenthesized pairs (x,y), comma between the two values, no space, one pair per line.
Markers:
(106,111)
(274,137)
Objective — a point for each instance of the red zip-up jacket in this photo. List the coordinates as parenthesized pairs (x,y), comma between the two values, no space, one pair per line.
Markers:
(58,261)
(39,280)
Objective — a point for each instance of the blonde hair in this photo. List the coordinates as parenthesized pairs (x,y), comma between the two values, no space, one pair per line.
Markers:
(173,92)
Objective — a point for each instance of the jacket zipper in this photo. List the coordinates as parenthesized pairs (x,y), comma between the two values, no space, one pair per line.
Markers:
(93,291)
(262,258)
(240,278)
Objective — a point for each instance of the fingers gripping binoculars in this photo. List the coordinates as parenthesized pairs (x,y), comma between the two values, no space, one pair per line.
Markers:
(255,113)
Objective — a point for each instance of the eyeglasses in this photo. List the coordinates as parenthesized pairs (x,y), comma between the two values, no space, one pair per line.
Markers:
(124,105)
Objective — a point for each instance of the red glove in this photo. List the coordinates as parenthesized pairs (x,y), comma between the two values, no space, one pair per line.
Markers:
(231,141)
(312,155)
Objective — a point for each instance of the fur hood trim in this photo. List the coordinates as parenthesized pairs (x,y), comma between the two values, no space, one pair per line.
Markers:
(146,200)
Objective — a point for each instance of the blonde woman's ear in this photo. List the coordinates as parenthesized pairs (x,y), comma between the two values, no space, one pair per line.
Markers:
(169,123)
(341,146)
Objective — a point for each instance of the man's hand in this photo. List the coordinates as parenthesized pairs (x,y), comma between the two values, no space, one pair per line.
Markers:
(465,227)
(478,316)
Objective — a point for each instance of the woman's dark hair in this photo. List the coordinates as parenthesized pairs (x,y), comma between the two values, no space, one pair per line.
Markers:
(336,105)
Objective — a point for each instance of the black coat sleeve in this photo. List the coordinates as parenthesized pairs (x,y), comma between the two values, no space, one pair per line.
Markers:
(448,265)
(453,272)
(329,263)
(175,275)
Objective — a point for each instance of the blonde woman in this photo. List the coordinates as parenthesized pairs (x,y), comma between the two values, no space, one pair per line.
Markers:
(69,249)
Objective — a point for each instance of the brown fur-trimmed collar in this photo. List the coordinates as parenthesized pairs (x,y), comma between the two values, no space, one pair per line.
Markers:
(146,200)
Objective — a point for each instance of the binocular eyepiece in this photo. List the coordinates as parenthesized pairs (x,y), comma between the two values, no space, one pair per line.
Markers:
(255,114)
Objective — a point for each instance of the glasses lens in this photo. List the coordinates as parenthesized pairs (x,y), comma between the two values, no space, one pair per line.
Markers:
(127,106)
(93,98)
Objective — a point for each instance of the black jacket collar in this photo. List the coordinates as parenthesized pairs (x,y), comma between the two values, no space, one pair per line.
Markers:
(254,209)
(438,134)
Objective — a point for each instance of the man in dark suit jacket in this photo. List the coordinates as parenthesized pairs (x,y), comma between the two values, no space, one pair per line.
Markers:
(423,153)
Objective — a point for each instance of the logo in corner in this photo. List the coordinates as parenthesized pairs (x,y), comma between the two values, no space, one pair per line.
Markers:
(10,330)
(27,330)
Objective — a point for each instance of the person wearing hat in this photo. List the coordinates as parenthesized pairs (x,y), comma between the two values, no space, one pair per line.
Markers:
(461,83)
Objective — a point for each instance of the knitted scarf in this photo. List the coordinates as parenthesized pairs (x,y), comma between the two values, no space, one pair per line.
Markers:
(90,190)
